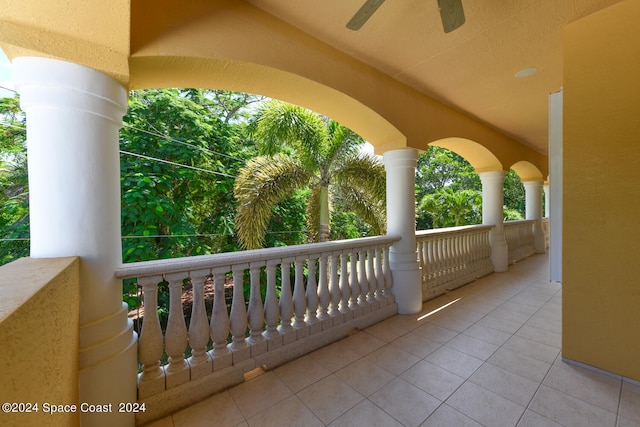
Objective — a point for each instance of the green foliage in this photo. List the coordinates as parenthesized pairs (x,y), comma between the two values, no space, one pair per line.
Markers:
(448,208)
(177,211)
(449,192)
(514,196)
(14,193)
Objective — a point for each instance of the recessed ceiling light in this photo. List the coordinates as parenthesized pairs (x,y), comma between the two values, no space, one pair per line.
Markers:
(526,72)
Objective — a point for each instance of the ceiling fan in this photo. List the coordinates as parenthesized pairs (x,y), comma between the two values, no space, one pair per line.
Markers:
(451,13)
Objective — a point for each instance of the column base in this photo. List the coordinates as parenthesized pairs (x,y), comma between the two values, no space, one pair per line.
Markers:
(407,286)
(107,375)
(500,256)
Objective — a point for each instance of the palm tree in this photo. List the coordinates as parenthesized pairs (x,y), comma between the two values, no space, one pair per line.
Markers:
(452,208)
(301,149)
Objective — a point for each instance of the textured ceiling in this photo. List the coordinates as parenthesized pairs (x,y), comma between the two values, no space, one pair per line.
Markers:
(472,68)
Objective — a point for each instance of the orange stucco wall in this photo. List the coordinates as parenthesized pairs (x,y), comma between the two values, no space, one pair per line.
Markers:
(601,237)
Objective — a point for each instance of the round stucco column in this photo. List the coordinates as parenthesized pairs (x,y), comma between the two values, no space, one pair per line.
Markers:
(74,115)
(401,221)
(493,214)
(533,210)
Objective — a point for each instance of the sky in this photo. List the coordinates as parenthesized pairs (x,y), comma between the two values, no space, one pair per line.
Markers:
(5,75)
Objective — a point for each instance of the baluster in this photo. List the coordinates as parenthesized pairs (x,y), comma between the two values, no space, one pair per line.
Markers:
(219,327)
(464,255)
(430,264)
(388,277)
(150,343)
(199,361)
(379,275)
(299,300)
(271,309)
(238,318)
(424,259)
(437,262)
(450,258)
(255,314)
(371,278)
(456,258)
(345,292)
(312,297)
(286,304)
(177,371)
(419,249)
(362,277)
(334,288)
(323,289)
(353,281)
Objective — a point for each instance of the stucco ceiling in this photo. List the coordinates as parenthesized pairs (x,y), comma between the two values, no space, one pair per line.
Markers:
(472,68)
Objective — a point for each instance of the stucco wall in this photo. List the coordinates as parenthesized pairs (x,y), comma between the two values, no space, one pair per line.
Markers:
(601,272)
(39,317)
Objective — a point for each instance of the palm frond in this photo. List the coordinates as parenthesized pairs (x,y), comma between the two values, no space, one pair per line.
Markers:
(343,143)
(372,213)
(262,183)
(279,124)
(364,171)
(361,181)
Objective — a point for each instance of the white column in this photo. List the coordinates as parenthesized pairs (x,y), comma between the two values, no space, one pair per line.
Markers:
(533,210)
(401,221)
(545,188)
(74,114)
(493,214)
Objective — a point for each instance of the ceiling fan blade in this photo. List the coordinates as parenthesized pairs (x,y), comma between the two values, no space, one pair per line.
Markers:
(451,13)
(363,14)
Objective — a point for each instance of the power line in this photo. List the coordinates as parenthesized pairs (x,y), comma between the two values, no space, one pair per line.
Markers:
(149,157)
(177,141)
(175,164)
(167,236)
(159,135)
(12,126)
(10,90)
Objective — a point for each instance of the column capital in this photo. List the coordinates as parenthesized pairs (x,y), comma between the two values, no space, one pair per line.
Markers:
(492,176)
(44,82)
(403,157)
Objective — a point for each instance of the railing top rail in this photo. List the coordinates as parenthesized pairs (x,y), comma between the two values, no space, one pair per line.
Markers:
(519,222)
(459,229)
(174,265)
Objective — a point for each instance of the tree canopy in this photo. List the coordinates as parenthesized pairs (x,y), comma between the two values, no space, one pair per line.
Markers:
(449,192)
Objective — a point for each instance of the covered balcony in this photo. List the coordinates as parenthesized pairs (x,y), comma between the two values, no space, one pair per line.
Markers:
(454,321)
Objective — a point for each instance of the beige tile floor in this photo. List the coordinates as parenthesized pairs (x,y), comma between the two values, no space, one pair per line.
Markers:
(490,358)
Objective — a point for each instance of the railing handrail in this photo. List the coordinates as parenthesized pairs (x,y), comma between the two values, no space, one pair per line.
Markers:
(520,222)
(174,265)
(460,228)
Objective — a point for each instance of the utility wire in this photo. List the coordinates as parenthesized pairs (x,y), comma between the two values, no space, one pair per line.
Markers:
(149,157)
(177,141)
(168,138)
(175,164)
(166,236)
(9,125)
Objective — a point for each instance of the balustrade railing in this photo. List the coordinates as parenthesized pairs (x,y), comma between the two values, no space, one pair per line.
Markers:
(546,227)
(295,294)
(519,237)
(452,257)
